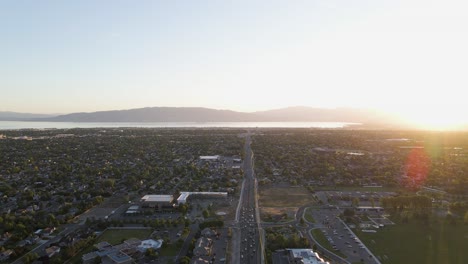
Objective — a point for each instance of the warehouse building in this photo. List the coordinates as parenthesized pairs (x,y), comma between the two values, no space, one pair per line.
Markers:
(157,201)
(185,195)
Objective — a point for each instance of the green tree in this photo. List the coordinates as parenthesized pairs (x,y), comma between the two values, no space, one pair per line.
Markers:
(185,260)
(205,213)
(151,253)
(355,202)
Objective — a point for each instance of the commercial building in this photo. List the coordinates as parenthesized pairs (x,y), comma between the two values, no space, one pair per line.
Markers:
(150,243)
(117,258)
(185,195)
(367,209)
(121,253)
(157,201)
(132,210)
(304,256)
(210,158)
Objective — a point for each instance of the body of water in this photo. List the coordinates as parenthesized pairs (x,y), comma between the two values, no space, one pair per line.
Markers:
(6,125)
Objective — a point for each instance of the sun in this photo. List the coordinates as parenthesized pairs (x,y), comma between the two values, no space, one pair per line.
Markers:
(436,117)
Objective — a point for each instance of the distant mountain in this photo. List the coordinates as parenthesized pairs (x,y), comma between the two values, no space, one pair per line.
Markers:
(156,114)
(199,114)
(14,116)
(301,113)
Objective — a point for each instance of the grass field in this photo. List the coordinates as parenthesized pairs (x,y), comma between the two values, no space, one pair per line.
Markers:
(322,240)
(171,250)
(308,216)
(116,236)
(358,188)
(284,197)
(417,243)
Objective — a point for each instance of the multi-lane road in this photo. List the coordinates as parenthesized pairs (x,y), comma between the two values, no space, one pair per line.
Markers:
(248,240)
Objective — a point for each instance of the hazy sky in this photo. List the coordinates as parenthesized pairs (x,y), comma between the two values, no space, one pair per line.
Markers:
(68,56)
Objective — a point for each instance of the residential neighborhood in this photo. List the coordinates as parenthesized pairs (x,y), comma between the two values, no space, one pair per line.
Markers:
(220,195)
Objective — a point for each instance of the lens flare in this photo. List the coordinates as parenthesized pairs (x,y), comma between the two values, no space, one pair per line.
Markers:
(417,167)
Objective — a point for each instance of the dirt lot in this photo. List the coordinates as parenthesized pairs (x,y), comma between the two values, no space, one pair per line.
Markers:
(284,196)
(273,214)
(281,203)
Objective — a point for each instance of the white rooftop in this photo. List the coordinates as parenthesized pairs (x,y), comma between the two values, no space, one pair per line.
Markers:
(157,198)
(133,208)
(308,256)
(183,196)
(150,243)
(209,157)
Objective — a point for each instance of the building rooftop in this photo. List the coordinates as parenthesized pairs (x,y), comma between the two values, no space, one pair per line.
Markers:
(157,198)
(308,256)
(209,157)
(184,195)
(89,256)
(150,243)
(133,208)
(119,257)
(103,245)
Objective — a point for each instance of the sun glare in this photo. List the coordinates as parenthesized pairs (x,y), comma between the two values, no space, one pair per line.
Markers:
(436,117)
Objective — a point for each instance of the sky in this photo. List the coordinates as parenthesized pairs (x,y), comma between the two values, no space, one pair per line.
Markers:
(402,56)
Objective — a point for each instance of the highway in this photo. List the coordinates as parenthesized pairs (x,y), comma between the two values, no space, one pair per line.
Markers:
(248,245)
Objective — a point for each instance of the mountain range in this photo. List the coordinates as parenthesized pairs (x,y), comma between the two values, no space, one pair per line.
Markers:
(200,114)
(14,116)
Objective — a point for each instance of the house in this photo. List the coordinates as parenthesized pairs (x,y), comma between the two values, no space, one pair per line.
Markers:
(202,247)
(208,232)
(48,231)
(4,255)
(51,251)
(89,257)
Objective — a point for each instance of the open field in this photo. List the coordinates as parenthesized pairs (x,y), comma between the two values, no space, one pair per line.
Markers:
(116,236)
(269,214)
(416,243)
(357,189)
(284,196)
(171,250)
(308,215)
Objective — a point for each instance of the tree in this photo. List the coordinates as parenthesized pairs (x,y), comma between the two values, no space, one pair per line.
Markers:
(355,202)
(151,253)
(185,260)
(348,212)
(30,257)
(205,213)
(108,183)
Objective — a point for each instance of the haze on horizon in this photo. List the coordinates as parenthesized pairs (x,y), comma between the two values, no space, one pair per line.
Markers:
(404,56)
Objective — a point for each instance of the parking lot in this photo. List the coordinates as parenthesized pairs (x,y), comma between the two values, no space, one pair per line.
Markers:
(340,237)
